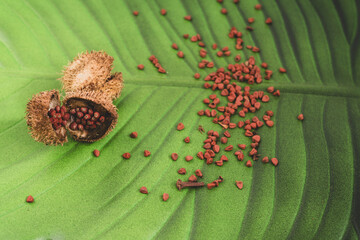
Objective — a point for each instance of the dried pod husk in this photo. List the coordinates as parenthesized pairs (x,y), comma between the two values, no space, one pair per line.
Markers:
(91,71)
(38,121)
(98,103)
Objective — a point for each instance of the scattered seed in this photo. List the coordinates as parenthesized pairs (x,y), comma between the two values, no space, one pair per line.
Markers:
(126,155)
(265,160)
(96,153)
(227,134)
(198,173)
(223,11)
(301,117)
(186,36)
(270,89)
(229,148)
(239,184)
(268,21)
(182,171)
(258,6)
(147,153)
(188,158)
(29,199)
(197,75)
(188,17)
(180,54)
(140,67)
(133,135)
(282,70)
(180,126)
(274,161)
(174,156)
(187,139)
(175,46)
(136,13)
(251,20)
(192,178)
(223,140)
(269,123)
(242,146)
(165,197)
(163,12)
(144,190)
(248,163)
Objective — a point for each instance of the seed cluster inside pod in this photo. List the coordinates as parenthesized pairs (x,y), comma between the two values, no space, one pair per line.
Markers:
(58,117)
(85,118)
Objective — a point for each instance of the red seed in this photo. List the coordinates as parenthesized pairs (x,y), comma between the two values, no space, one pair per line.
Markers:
(223,11)
(270,113)
(248,163)
(265,98)
(194,39)
(73,126)
(256,138)
(214,46)
(133,135)
(237,58)
(187,139)
(227,134)
(274,161)
(270,89)
(265,160)
(188,158)
(79,114)
(255,49)
(223,140)
(236,1)
(198,173)
(269,123)
(144,190)
(239,184)
(146,153)
(174,156)
(229,148)
(240,124)
(242,146)
(201,112)
(282,70)
(182,171)
(251,20)
(210,65)
(224,158)
(186,36)
(180,126)
(126,155)
(219,53)
(188,17)
(201,44)
(268,21)
(249,28)
(165,197)
(264,65)
(102,119)
(211,185)
(301,117)
(258,6)
(219,163)
(175,46)
(180,54)
(29,199)
(136,13)
(96,153)
(196,75)
(192,178)
(216,148)
(161,70)
(163,12)
(140,67)
(276,93)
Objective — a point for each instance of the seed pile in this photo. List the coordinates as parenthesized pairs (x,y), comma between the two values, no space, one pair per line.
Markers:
(85,118)
(58,117)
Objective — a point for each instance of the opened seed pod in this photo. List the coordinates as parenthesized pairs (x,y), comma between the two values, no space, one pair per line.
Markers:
(92,116)
(92,72)
(46,119)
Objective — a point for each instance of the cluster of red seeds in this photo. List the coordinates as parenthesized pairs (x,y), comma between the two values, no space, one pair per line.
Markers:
(215,183)
(58,117)
(85,118)
(156,63)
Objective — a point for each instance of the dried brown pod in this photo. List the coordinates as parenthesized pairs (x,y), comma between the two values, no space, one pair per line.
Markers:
(38,118)
(93,116)
(91,71)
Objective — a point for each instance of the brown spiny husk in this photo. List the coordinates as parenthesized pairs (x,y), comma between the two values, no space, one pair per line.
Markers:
(99,103)
(92,72)
(38,121)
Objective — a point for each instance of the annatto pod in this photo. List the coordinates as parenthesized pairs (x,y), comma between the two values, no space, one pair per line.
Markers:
(92,72)
(46,119)
(92,115)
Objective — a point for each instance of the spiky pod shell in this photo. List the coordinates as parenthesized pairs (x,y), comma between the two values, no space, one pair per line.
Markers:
(98,103)
(38,120)
(91,71)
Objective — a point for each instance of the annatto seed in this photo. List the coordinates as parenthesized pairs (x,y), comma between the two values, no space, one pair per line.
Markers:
(251,20)
(216,148)
(277,93)
(229,148)
(197,75)
(175,46)
(180,54)
(256,138)
(268,21)
(300,117)
(140,67)
(227,134)
(274,161)
(174,156)
(180,126)
(242,146)
(133,135)
(96,153)
(214,46)
(186,36)
(147,153)
(265,160)
(239,184)
(198,173)
(223,140)
(248,163)
(223,11)
(144,190)
(182,171)
(187,139)
(165,197)
(200,155)
(29,199)
(188,158)
(188,17)
(282,70)
(269,123)
(258,6)
(265,98)
(163,12)
(192,178)
(136,13)
(126,155)
(270,113)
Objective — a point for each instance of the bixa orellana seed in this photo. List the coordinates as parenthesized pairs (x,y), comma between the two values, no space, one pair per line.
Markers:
(88,112)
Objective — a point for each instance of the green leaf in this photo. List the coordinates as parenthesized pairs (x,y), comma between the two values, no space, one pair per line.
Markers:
(312,194)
